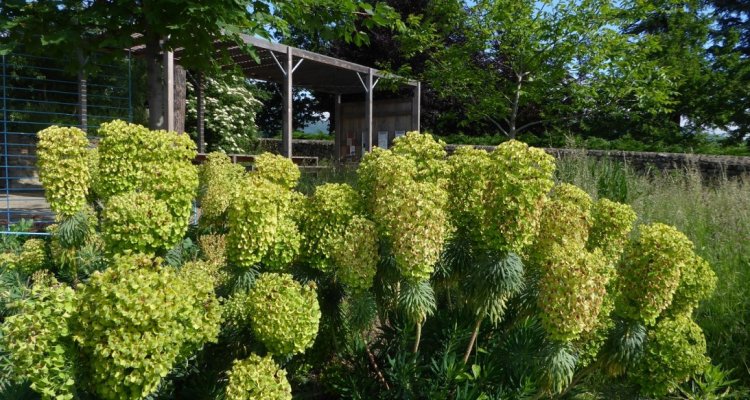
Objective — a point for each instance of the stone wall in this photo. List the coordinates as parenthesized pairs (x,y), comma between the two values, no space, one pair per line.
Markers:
(709,165)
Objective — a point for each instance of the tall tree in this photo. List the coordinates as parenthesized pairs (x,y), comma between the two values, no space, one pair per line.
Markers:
(192,25)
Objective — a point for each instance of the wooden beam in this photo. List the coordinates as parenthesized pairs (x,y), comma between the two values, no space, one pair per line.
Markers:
(416,107)
(169,88)
(338,129)
(368,112)
(286,135)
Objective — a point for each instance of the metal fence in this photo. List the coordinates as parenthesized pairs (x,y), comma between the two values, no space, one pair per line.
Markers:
(38,92)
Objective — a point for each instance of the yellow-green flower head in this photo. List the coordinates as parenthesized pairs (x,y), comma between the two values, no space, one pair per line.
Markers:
(675,352)
(466,187)
(213,248)
(415,220)
(137,222)
(519,179)
(428,154)
(565,220)
(572,288)
(329,210)
(612,223)
(32,257)
(133,158)
(37,341)
(257,378)
(219,178)
(137,319)
(284,314)
(380,172)
(64,169)
(697,283)
(356,254)
(260,227)
(277,169)
(650,272)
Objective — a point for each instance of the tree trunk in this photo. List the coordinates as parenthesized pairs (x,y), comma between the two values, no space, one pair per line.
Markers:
(180,92)
(155,84)
(514,107)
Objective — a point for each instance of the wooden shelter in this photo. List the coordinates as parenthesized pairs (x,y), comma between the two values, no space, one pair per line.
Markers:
(293,67)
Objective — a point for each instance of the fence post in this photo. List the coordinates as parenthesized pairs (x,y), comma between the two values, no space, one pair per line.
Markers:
(5,148)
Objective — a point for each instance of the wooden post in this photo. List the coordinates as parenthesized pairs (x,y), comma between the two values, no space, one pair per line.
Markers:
(286,135)
(338,130)
(201,114)
(368,112)
(180,98)
(169,89)
(416,107)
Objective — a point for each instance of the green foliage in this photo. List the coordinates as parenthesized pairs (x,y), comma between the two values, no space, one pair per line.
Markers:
(261,230)
(257,378)
(675,351)
(651,269)
(135,159)
(62,155)
(356,254)
(218,183)
(136,221)
(277,169)
(39,343)
(284,314)
(519,178)
(137,320)
(328,211)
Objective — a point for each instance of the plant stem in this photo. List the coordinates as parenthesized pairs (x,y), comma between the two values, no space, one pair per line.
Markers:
(418,337)
(473,337)
(374,364)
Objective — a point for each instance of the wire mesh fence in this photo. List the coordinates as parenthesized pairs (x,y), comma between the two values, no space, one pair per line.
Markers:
(38,92)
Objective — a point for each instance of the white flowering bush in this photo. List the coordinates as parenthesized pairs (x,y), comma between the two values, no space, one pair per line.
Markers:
(230,109)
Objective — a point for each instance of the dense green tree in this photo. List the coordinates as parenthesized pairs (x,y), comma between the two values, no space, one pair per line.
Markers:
(59,26)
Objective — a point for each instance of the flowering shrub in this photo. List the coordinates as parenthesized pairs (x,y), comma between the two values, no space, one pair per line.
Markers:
(277,169)
(230,109)
(38,340)
(356,254)
(675,351)
(428,154)
(327,214)
(133,158)
(571,291)
(137,319)
(137,222)
(284,314)
(467,185)
(611,225)
(425,241)
(519,178)
(256,378)
(651,270)
(62,155)
(218,179)
(260,227)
